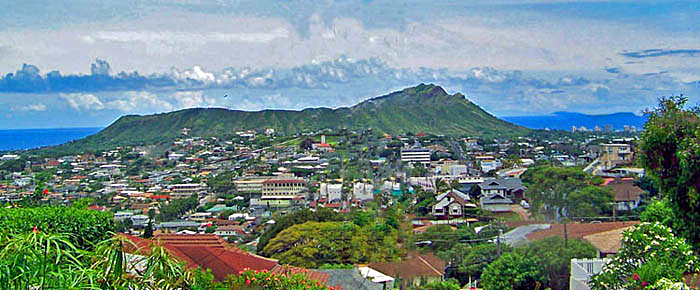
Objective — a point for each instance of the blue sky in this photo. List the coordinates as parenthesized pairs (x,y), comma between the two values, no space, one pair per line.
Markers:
(86,62)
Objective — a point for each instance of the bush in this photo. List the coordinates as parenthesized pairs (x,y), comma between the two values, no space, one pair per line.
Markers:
(258,280)
(649,254)
(84,227)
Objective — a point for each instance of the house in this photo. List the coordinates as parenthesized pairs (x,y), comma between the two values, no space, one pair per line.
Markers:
(508,187)
(452,204)
(332,192)
(413,270)
(495,202)
(628,196)
(608,243)
(229,231)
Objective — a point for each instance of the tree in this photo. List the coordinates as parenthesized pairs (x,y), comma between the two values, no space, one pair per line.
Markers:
(554,258)
(294,218)
(312,244)
(513,271)
(471,260)
(670,152)
(559,192)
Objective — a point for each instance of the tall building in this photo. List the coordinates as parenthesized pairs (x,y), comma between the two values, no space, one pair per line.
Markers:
(281,192)
(415,154)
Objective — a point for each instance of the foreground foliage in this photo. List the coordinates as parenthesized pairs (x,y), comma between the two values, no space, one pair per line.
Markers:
(81,227)
(670,152)
(38,260)
(649,253)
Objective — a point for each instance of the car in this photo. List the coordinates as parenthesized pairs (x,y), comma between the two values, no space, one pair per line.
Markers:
(524,204)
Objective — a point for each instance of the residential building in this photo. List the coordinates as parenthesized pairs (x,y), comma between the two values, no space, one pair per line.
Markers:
(495,202)
(628,196)
(452,204)
(250,185)
(281,192)
(185,190)
(415,154)
(363,191)
(508,187)
(613,154)
(332,192)
(414,270)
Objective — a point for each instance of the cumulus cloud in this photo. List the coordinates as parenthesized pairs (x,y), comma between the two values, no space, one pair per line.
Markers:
(81,102)
(185,100)
(140,101)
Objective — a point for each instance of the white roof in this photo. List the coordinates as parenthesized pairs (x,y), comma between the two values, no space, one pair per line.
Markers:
(374,275)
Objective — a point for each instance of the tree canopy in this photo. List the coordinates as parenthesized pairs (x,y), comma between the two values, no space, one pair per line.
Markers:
(560,192)
(670,152)
(312,244)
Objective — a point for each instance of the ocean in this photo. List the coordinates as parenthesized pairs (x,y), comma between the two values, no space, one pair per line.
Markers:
(17,139)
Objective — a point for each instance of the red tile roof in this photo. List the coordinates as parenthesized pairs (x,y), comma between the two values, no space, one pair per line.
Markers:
(578,231)
(415,265)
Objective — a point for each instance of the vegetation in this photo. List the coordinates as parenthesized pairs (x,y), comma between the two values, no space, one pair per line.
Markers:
(554,258)
(81,227)
(513,271)
(561,192)
(176,208)
(312,244)
(649,253)
(425,108)
(670,152)
(295,218)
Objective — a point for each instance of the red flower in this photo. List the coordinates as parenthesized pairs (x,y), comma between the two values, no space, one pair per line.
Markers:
(35,230)
(635,276)
(247,281)
(644,283)
(45,192)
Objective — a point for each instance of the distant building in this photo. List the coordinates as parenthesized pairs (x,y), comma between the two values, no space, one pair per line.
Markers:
(332,192)
(612,154)
(415,154)
(363,191)
(185,190)
(281,192)
(452,204)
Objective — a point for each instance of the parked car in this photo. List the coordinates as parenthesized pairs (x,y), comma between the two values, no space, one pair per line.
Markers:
(524,204)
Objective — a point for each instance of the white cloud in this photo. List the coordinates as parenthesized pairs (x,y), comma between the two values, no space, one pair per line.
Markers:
(30,107)
(193,99)
(81,102)
(140,102)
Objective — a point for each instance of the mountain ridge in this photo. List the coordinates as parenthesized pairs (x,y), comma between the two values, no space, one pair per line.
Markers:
(423,108)
(562,120)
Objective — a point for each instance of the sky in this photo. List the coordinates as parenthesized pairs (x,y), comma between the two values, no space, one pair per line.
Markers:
(85,63)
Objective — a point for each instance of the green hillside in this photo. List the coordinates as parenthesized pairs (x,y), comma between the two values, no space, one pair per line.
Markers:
(425,108)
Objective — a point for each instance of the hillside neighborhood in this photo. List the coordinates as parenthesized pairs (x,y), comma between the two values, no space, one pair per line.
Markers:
(200,196)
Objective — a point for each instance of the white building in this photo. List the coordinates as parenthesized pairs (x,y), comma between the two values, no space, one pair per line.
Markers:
(415,155)
(333,192)
(363,191)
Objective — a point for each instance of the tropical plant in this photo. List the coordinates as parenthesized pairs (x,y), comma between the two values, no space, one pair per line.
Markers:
(259,280)
(670,153)
(649,253)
